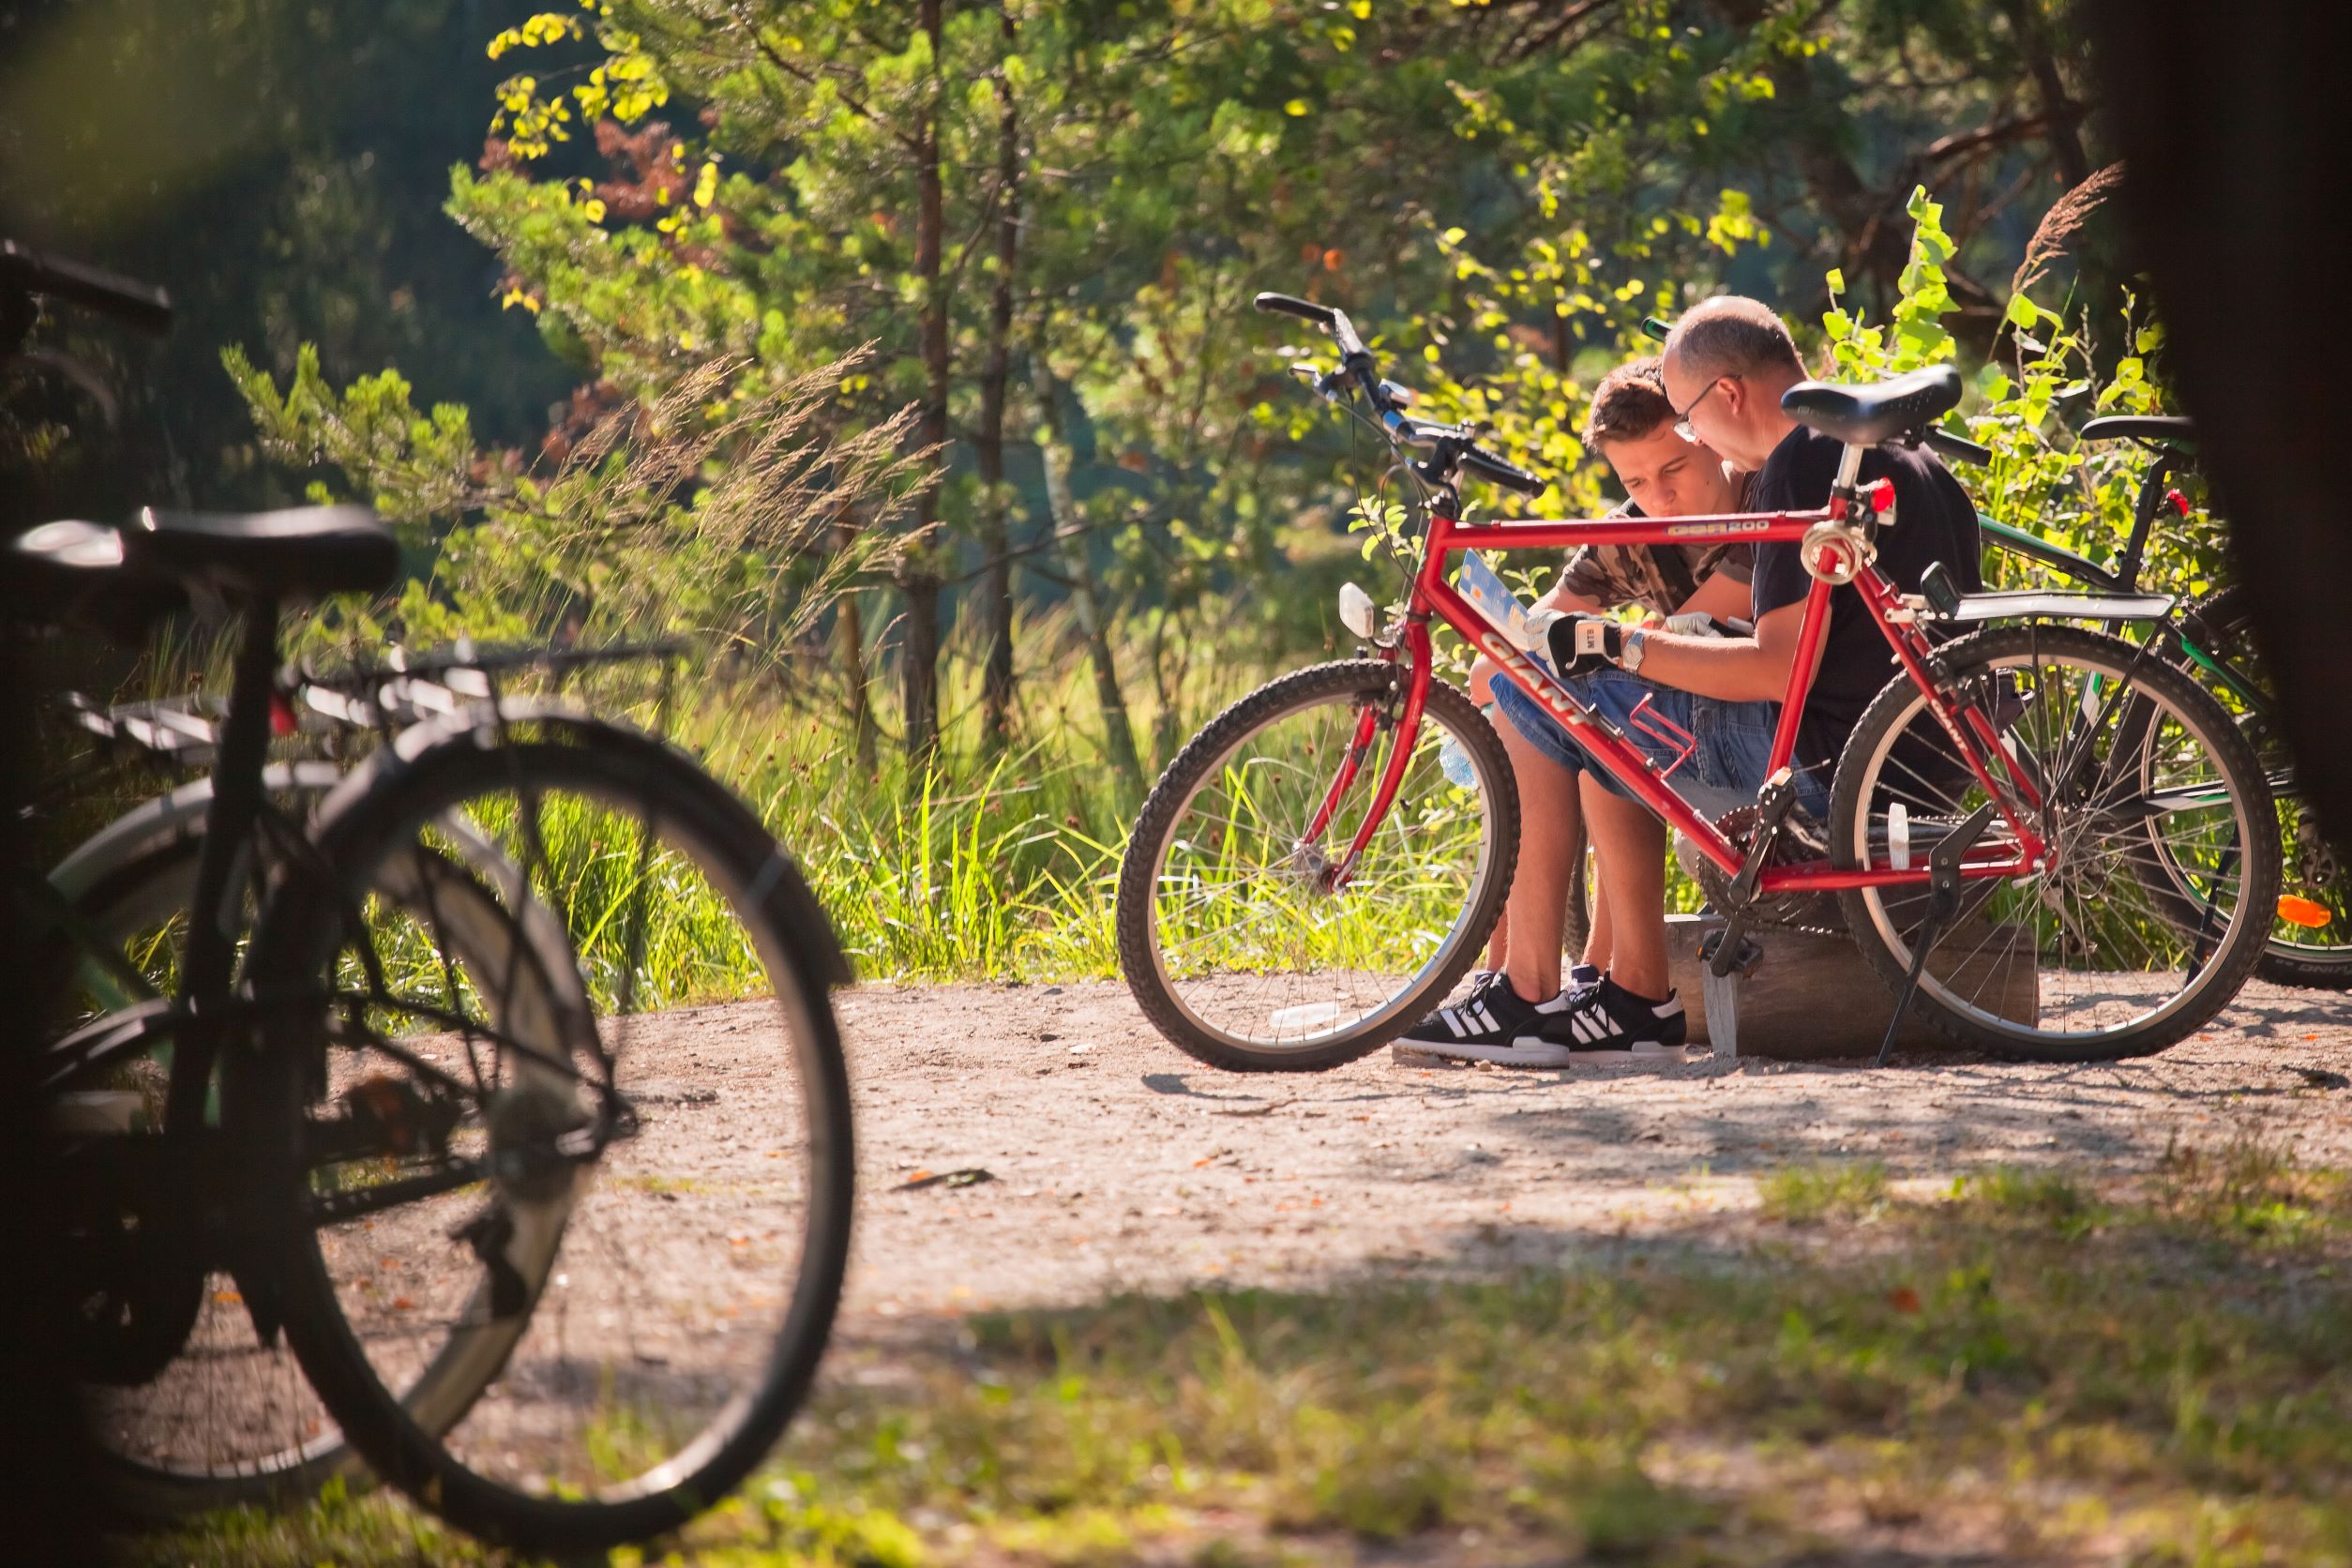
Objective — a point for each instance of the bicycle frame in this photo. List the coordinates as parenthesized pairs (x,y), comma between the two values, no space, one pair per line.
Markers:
(1433,596)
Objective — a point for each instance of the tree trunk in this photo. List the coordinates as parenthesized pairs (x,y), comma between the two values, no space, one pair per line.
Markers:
(996,567)
(848,631)
(918,574)
(1117,729)
(2032,33)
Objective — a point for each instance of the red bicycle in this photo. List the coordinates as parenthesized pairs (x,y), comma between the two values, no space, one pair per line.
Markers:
(2044,833)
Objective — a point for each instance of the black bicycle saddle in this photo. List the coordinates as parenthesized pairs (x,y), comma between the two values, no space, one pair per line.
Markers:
(1867,416)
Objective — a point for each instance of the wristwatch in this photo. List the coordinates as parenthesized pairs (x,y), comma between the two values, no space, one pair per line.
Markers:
(1630,650)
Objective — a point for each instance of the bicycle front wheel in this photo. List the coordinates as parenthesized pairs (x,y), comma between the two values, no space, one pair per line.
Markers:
(2161,869)
(663,1195)
(1232,935)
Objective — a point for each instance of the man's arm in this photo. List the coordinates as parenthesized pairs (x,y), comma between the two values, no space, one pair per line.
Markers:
(1736,668)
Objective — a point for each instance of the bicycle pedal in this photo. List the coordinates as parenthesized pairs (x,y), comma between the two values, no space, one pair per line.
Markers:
(389,1115)
(1745,958)
(487,1234)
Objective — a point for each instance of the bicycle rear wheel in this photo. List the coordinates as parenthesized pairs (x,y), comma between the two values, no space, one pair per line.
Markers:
(2163,867)
(657,1215)
(2311,943)
(1229,936)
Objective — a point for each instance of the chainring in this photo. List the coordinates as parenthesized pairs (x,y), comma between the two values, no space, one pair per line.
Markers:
(1801,839)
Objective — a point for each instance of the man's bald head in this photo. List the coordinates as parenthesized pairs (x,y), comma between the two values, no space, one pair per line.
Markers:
(1727,363)
(1731,336)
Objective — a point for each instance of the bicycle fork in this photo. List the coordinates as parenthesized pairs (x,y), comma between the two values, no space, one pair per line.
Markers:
(1399,716)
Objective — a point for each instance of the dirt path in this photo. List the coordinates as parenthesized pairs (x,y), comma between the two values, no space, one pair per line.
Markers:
(1116,1162)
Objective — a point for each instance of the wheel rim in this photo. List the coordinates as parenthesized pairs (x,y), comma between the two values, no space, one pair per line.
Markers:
(665,1270)
(1243,939)
(2113,947)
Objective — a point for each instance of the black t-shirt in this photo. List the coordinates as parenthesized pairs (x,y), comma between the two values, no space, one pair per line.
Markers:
(1934,520)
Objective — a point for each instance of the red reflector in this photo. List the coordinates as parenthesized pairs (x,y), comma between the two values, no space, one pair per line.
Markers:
(281,715)
(2302,911)
(1883,495)
(2179,502)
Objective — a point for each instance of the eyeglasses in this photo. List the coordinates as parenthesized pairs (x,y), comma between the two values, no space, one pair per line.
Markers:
(1682,420)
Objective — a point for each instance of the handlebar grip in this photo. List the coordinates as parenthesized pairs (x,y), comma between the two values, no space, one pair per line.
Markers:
(1656,327)
(1959,447)
(1306,309)
(1508,475)
(142,305)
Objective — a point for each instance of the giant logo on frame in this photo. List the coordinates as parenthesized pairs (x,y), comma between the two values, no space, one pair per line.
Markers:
(1493,644)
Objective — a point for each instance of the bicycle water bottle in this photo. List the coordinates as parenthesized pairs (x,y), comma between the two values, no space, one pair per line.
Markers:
(1454,763)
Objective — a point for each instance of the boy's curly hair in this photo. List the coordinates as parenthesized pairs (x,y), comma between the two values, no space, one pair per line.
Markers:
(1630,404)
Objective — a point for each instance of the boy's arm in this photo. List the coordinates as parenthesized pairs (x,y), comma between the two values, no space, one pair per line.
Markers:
(1722,595)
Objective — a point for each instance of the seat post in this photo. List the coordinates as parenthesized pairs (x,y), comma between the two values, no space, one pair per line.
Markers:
(1849,471)
(238,758)
(2151,498)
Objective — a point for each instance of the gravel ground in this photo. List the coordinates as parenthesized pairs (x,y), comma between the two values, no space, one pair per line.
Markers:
(1115,1162)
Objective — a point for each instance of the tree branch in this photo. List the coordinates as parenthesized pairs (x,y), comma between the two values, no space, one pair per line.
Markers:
(807,78)
(2000,133)
(1528,43)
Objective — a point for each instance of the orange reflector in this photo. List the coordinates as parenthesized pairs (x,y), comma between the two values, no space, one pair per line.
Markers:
(2302,911)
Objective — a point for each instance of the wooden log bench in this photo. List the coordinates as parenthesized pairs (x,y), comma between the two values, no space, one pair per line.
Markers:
(1814,996)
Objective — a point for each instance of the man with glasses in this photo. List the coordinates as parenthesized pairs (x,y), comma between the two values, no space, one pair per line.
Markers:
(1725,366)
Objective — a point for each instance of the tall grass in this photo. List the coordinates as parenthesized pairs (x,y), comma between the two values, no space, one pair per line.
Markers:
(981,868)
(985,866)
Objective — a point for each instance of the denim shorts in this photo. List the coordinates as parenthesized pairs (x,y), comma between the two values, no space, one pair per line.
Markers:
(1735,739)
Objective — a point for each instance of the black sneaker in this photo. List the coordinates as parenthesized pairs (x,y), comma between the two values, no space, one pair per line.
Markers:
(1482,1024)
(1580,976)
(1606,1023)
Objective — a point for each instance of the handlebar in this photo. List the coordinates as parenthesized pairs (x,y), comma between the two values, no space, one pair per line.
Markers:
(1329,317)
(1960,447)
(1290,305)
(1495,470)
(1356,362)
(142,306)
